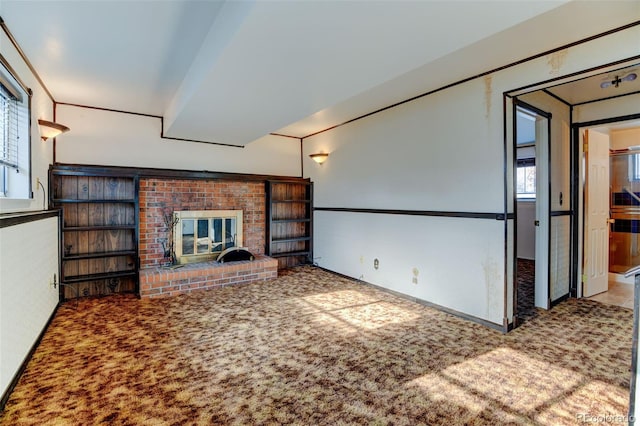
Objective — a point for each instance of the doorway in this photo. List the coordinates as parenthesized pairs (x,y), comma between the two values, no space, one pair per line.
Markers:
(612,210)
(568,100)
(532,180)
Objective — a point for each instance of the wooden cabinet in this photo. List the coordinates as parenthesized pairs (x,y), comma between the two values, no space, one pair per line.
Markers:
(289,231)
(99,247)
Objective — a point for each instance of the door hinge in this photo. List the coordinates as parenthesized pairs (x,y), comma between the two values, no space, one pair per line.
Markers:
(585,147)
(584,278)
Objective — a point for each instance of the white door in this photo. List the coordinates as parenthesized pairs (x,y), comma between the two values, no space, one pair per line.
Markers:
(596,264)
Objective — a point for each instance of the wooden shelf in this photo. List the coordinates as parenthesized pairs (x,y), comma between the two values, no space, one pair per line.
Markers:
(97,228)
(290,220)
(291,240)
(99,255)
(291,253)
(96,277)
(99,199)
(102,201)
(293,201)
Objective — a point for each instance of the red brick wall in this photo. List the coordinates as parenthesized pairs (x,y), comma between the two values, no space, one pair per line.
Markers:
(159,282)
(160,196)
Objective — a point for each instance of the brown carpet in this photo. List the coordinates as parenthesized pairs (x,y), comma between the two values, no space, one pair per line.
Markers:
(526,289)
(315,348)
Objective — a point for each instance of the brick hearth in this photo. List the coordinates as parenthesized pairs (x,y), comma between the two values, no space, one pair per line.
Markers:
(160,282)
(160,197)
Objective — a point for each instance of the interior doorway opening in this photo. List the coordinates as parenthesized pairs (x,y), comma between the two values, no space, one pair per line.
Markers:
(575,102)
(527,169)
(613,146)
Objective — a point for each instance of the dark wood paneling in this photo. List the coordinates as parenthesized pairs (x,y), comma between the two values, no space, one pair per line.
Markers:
(99,239)
(289,222)
(145,172)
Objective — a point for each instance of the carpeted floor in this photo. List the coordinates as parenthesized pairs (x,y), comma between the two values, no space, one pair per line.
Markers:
(526,285)
(314,348)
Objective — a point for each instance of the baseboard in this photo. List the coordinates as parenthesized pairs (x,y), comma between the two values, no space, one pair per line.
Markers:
(500,327)
(25,362)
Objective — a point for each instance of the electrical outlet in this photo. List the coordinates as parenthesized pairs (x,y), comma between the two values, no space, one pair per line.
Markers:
(54,282)
(416,272)
(376,263)
(361,260)
(37,181)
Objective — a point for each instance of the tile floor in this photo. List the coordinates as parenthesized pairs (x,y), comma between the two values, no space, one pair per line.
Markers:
(619,294)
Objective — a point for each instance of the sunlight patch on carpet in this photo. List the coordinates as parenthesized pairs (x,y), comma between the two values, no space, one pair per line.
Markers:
(347,309)
(505,379)
(441,390)
(375,315)
(605,401)
(339,299)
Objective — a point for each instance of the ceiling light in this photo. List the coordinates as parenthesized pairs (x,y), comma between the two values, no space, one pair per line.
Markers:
(617,80)
(49,129)
(320,157)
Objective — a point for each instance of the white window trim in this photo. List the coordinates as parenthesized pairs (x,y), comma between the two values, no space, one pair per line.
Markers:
(15,174)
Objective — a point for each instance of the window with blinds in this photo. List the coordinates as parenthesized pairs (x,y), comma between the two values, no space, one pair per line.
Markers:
(14,146)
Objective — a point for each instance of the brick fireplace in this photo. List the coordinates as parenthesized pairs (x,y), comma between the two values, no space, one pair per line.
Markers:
(159,198)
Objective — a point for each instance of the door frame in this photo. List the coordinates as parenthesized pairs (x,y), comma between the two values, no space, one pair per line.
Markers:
(544,231)
(577,196)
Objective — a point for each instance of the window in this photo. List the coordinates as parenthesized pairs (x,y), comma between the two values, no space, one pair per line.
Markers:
(201,235)
(634,167)
(525,154)
(526,178)
(15,155)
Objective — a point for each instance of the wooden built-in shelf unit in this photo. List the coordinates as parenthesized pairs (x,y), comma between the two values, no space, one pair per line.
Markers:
(289,231)
(99,231)
(100,224)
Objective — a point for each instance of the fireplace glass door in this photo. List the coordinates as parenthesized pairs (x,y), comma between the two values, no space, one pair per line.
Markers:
(201,238)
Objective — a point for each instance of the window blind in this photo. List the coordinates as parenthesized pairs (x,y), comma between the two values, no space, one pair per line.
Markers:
(11,114)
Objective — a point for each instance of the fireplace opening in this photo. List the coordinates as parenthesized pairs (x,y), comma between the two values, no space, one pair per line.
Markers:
(202,235)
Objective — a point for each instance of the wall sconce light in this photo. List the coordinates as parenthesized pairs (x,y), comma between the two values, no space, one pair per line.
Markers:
(49,129)
(320,157)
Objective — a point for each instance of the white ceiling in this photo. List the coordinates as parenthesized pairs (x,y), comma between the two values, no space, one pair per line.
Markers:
(590,88)
(232,72)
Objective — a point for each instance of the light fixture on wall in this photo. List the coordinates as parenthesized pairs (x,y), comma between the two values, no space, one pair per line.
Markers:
(617,80)
(49,129)
(320,157)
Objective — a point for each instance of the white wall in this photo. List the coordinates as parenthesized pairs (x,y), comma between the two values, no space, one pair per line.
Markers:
(29,254)
(442,152)
(617,107)
(440,253)
(121,139)
(624,138)
(526,230)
